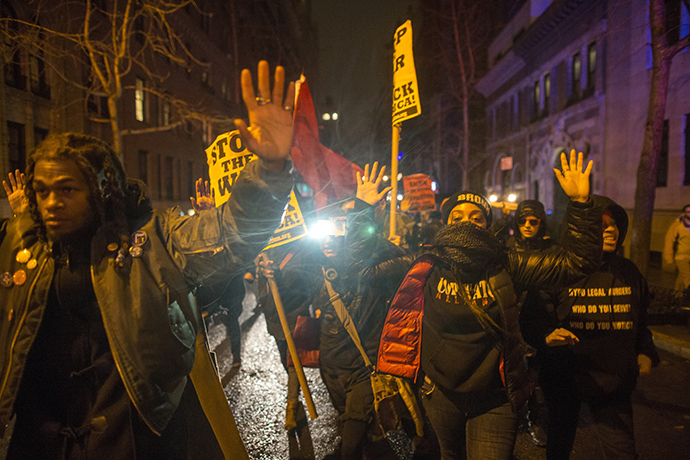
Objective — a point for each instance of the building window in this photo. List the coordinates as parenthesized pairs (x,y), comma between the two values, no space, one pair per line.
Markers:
(673,20)
(662,171)
(143,166)
(13,72)
(191,189)
(547,93)
(166,113)
(16,146)
(38,76)
(39,135)
(168,178)
(577,73)
(537,97)
(139,99)
(686,179)
(159,160)
(591,66)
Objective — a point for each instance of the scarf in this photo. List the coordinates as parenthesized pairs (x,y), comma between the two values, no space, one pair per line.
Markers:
(470,249)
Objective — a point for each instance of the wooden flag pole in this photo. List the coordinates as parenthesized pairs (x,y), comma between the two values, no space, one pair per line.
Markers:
(394,179)
(291,344)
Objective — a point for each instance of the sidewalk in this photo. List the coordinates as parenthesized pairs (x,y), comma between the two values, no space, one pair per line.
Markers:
(674,339)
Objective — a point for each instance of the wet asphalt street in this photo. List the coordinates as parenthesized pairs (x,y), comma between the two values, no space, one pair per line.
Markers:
(257,395)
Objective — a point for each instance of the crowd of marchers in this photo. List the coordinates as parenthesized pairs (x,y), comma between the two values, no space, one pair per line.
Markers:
(473,318)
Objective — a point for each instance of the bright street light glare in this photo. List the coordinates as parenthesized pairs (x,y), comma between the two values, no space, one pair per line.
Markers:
(399,176)
(326,116)
(493,198)
(335,116)
(385,178)
(400,197)
(512,197)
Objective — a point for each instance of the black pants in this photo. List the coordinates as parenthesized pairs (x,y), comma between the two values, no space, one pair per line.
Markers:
(612,415)
(351,395)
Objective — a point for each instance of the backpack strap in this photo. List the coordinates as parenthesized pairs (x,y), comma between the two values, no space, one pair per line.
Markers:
(346,319)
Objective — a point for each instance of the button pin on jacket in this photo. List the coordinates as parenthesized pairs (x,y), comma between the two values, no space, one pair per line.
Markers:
(6,279)
(136,251)
(112,247)
(19,277)
(31,264)
(23,256)
(139,238)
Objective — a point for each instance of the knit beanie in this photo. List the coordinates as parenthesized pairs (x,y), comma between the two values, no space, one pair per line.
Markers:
(466,197)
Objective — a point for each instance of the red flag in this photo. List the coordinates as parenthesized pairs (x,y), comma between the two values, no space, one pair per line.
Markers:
(331,176)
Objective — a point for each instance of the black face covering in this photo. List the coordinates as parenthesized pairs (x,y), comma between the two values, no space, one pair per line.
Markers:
(470,249)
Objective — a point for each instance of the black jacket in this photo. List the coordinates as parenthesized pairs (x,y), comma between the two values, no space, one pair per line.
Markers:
(369,270)
(445,339)
(607,311)
(147,305)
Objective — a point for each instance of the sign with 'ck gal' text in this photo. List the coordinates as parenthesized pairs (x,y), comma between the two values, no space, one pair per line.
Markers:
(406,102)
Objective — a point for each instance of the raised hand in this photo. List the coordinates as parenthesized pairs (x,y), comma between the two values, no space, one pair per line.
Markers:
(269,135)
(368,185)
(15,192)
(205,197)
(574,181)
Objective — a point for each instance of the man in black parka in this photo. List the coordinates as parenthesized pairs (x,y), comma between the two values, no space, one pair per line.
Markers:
(593,345)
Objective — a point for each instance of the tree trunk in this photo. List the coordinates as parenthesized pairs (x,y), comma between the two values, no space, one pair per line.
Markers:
(645,193)
(465,98)
(115,126)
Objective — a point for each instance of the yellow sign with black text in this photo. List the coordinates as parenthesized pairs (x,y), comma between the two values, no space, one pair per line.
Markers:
(292,227)
(226,158)
(406,102)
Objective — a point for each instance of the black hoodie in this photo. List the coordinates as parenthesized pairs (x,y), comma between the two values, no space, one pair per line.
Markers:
(517,242)
(607,311)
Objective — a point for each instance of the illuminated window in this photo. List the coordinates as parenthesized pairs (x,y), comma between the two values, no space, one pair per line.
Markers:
(139,99)
(591,64)
(577,73)
(166,113)
(547,93)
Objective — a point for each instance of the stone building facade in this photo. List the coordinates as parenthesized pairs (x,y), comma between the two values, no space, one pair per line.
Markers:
(575,74)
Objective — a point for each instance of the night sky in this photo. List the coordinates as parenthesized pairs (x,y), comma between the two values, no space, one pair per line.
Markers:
(355,62)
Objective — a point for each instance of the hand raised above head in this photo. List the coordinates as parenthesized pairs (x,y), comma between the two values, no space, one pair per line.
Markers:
(368,185)
(15,192)
(205,197)
(269,135)
(573,180)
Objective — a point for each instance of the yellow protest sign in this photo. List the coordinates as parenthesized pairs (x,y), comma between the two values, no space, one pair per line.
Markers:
(292,227)
(226,158)
(406,102)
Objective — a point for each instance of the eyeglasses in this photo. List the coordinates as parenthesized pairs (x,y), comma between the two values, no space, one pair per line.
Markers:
(533,221)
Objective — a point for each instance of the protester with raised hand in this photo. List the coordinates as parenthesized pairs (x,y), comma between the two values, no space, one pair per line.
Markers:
(15,192)
(365,273)
(453,323)
(592,343)
(100,322)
